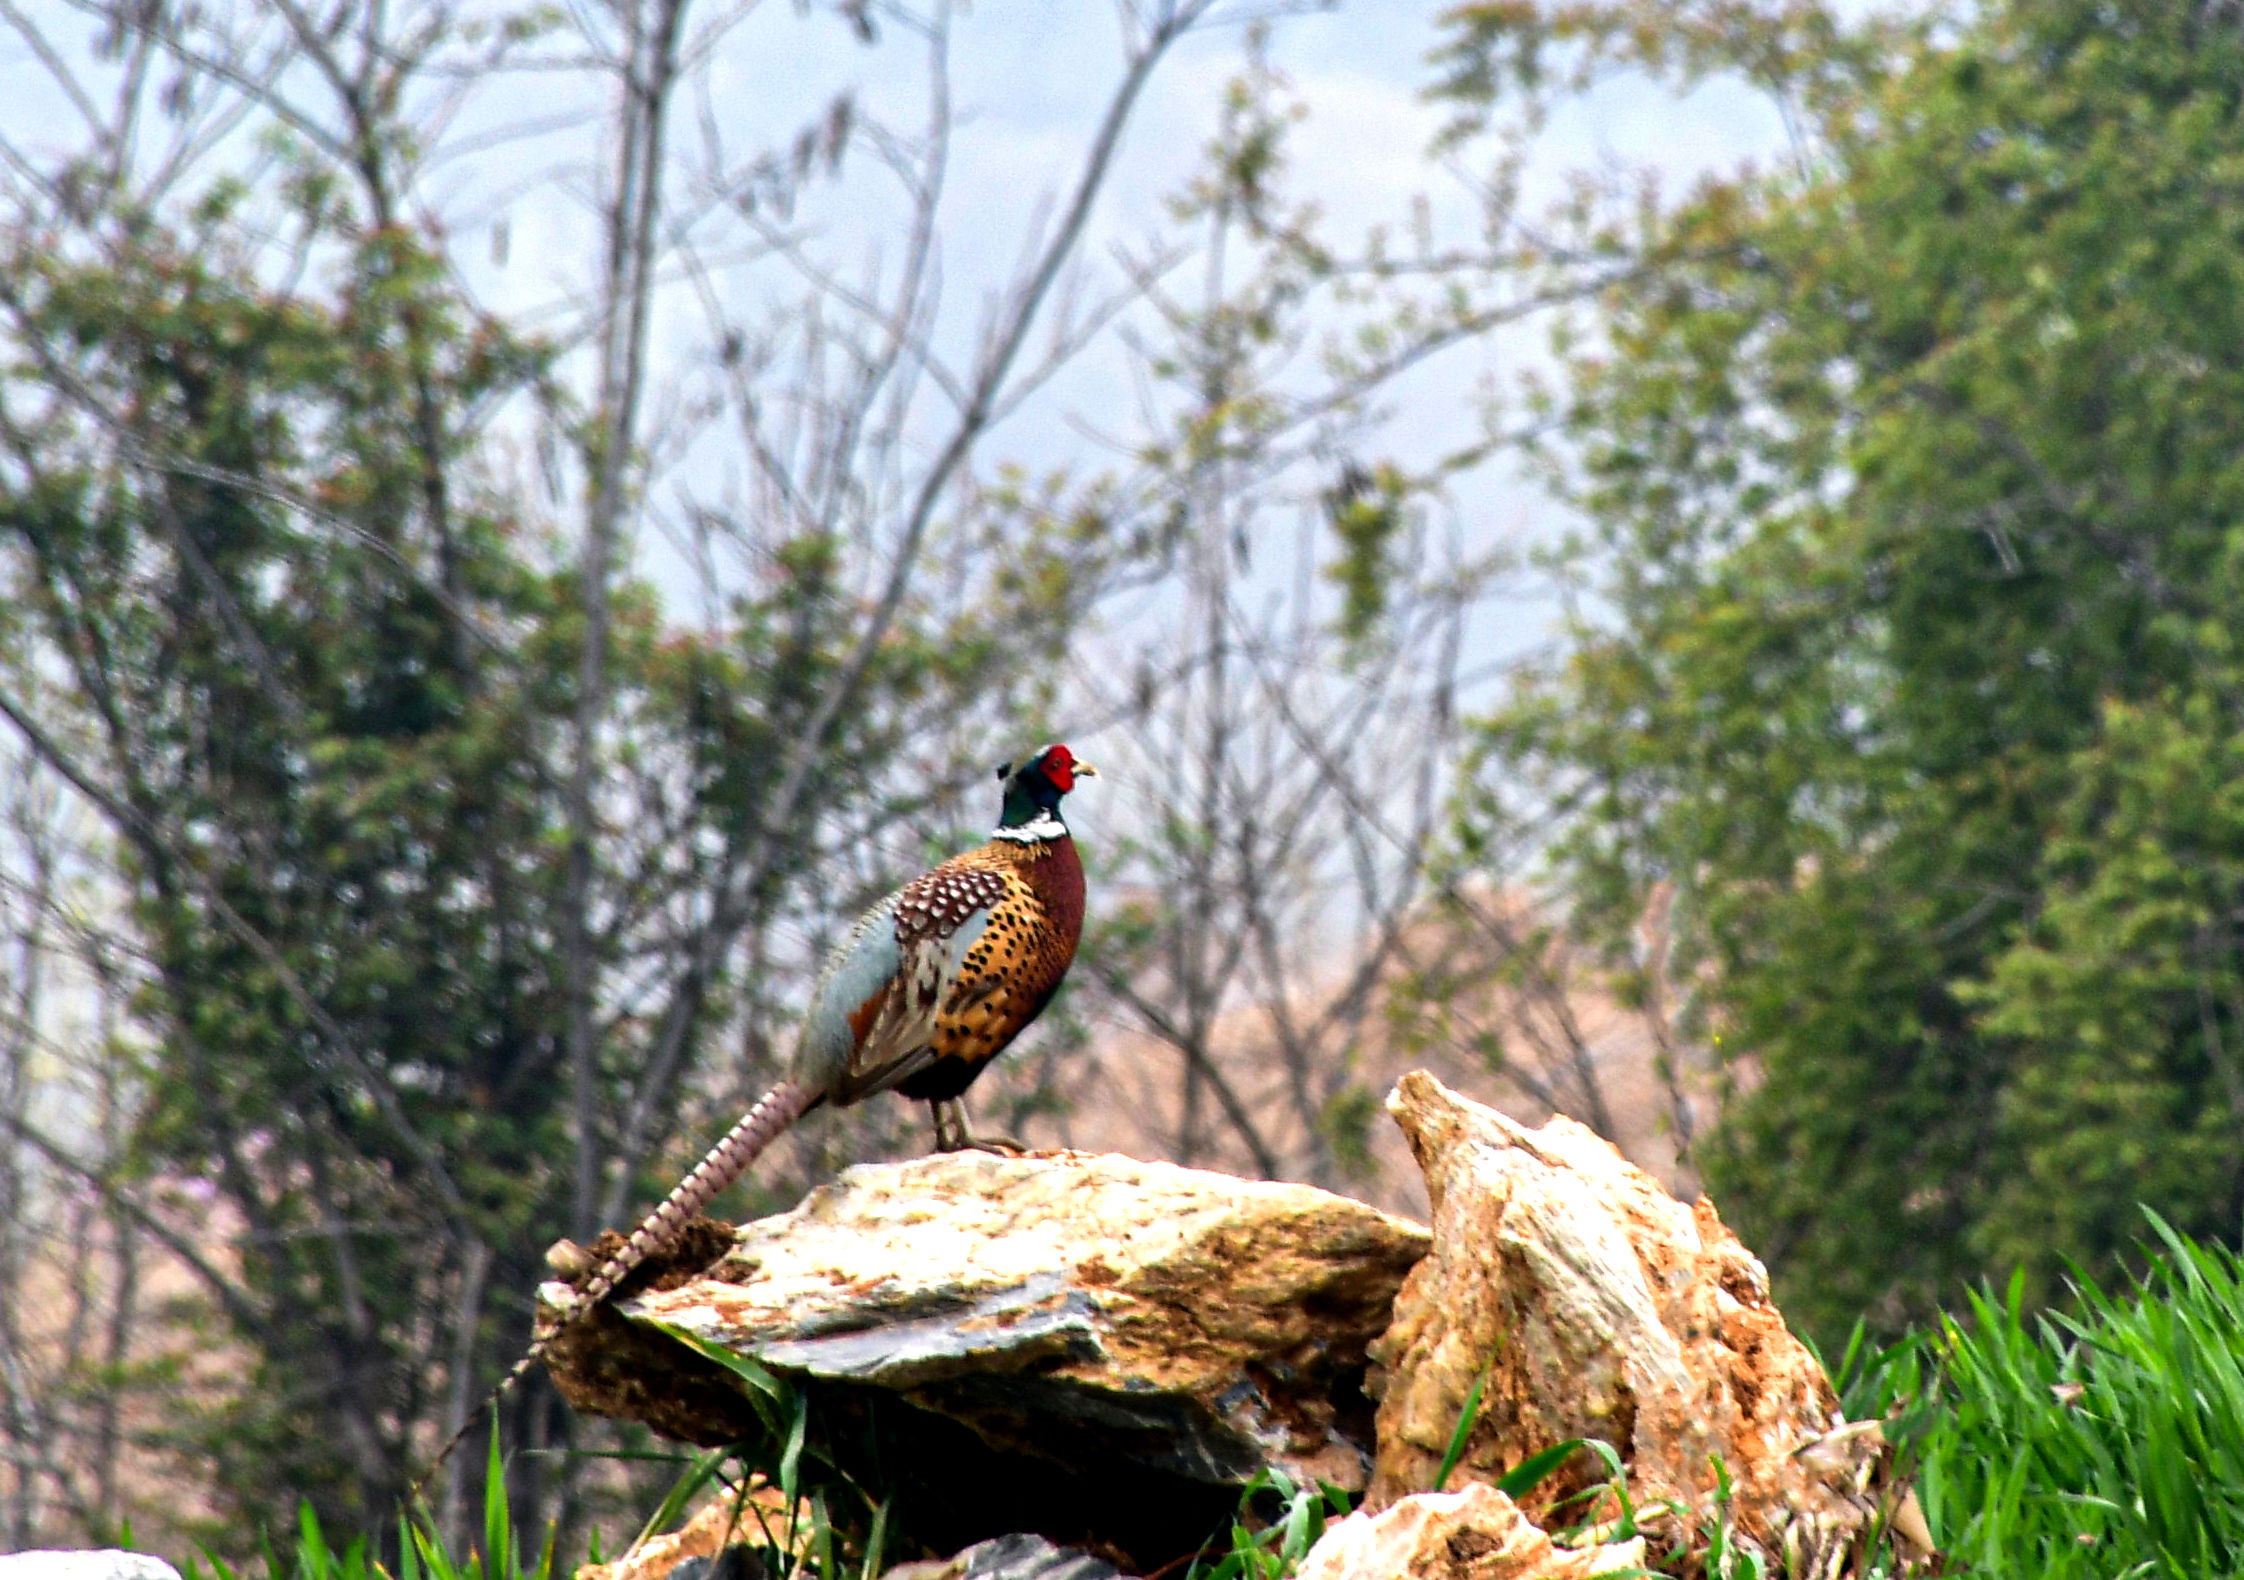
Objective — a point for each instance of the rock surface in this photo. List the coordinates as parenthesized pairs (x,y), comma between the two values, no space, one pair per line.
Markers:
(696,1550)
(1599,1306)
(1015,1557)
(105,1563)
(1473,1534)
(1079,1346)
(720,1542)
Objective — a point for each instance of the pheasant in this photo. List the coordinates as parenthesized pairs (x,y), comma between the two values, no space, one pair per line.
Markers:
(930,985)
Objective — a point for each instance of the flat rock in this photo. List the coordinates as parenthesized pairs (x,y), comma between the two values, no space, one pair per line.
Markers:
(1090,1348)
(1475,1533)
(1597,1305)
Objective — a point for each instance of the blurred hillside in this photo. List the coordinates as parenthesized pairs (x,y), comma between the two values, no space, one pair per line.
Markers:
(1563,1045)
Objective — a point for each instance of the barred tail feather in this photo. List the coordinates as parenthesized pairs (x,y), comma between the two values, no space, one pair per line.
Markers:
(719,1167)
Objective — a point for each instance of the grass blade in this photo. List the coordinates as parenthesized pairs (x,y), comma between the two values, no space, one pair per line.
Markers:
(1465,1421)
(1530,1472)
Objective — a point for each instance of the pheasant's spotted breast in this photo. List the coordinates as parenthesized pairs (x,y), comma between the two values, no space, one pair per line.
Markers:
(1015,962)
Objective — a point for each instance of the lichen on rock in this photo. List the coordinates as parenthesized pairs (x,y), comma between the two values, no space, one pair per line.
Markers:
(1594,1304)
(1475,1533)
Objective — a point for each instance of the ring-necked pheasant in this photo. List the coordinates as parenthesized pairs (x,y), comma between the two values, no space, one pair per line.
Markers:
(929,986)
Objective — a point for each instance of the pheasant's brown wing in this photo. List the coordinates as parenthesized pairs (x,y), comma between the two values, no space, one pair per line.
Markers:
(875,1012)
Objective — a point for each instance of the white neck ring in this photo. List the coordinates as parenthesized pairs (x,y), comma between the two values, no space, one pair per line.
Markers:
(1045,825)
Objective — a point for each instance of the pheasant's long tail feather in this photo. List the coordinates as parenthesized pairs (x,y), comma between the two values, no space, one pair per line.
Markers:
(719,1167)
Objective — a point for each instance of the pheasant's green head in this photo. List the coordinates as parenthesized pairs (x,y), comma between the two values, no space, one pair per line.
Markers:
(1033,790)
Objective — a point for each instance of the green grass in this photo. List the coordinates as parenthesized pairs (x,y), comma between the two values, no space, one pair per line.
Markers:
(1270,1548)
(422,1553)
(2104,1440)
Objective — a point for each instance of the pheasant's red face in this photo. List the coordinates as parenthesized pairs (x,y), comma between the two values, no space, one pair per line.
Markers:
(1059,766)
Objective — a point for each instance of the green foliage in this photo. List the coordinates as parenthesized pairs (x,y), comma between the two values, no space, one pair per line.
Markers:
(1272,1548)
(829,1516)
(259,592)
(1279,1521)
(2101,1441)
(422,1553)
(803,1543)
(1346,1123)
(1726,1557)
(1912,487)
(1467,1417)
(1365,512)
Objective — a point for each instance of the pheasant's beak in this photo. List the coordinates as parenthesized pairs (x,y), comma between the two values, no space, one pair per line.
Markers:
(1085,771)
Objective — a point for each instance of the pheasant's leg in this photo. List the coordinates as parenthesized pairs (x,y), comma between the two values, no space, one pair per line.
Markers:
(966,1141)
(943,1142)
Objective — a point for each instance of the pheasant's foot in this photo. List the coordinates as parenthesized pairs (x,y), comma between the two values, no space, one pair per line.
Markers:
(954,1134)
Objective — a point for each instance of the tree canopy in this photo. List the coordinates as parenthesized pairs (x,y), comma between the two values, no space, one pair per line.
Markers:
(1911,474)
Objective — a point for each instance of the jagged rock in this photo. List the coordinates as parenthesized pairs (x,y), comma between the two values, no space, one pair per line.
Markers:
(1016,1557)
(1475,1533)
(105,1563)
(1599,1306)
(718,1543)
(1090,1348)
